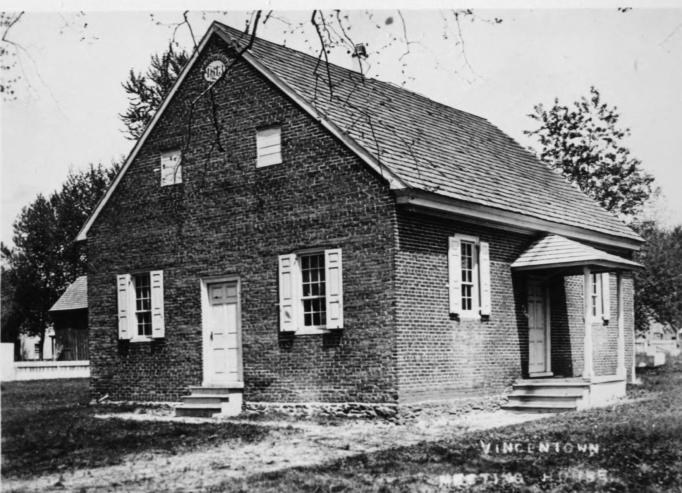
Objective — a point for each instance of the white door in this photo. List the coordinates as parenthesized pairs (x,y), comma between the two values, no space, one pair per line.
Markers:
(222,344)
(537,329)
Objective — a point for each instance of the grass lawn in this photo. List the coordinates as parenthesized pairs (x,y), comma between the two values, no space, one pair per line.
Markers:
(640,449)
(48,426)
(50,436)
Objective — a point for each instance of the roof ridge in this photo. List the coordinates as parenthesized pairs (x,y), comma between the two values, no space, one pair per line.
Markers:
(388,84)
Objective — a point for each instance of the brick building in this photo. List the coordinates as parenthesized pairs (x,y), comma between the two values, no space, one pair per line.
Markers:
(274,237)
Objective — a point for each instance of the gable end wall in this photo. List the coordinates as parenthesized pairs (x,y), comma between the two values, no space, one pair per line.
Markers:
(230,218)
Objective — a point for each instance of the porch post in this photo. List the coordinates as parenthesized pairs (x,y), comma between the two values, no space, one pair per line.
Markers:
(587,290)
(620,371)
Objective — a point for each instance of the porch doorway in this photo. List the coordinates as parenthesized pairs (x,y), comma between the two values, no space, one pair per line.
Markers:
(539,364)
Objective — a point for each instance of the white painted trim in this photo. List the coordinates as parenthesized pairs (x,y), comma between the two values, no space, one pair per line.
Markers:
(503,219)
(606,378)
(362,153)
(620,369)
(548,332)
(205,306)
(587,343)
(540,374)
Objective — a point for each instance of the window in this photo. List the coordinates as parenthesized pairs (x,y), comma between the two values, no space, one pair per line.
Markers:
(311,291)
(600,296)
(140,306)
(469,276)
(269,146)
(595,293)
(143,305)
(313,283)
(171,168)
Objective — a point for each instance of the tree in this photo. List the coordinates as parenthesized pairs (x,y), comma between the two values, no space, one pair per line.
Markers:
(45,259)
(585,143)
(147,92)
(658,287)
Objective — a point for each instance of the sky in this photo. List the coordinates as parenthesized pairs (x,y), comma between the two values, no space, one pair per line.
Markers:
(65,114)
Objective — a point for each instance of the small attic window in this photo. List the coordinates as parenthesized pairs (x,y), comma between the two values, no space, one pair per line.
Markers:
(269,146)
(171,168)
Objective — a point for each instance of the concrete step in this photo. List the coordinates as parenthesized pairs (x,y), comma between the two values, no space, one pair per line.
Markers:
(544,401)
(195,389)
(205,399)
(548,391)
(552,382)
(198,410)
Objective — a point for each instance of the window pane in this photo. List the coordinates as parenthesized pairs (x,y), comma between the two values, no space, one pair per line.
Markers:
(313,280)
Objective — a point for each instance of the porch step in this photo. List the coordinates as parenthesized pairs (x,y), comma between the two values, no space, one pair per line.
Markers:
(533,407)
(197,410)
(210,401)
(548,395)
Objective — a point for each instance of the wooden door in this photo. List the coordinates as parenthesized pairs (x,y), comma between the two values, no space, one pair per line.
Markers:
(222,336)
(537,329)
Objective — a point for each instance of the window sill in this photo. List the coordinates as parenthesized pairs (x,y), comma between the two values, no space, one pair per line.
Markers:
(311,331)
(141,339)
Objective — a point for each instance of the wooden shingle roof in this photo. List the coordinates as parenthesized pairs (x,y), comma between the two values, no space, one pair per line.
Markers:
(555,251)
(74,298)
(433,147)
(418,145)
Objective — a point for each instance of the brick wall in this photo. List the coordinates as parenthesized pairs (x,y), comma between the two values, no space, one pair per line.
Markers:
(230,218)
(442,357)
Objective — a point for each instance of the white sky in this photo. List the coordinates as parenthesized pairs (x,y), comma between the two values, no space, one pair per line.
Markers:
(68,116)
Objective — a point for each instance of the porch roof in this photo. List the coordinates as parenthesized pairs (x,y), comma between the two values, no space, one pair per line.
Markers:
(554,251)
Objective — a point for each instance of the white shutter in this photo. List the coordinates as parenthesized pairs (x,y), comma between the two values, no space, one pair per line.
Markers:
(171,168)
(125,315)
(158,325)
(455,274)
(605,296)
(484,266)
(334,288)
(269,146)
(288,300)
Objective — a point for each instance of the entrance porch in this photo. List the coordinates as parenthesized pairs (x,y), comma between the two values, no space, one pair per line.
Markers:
(576,310)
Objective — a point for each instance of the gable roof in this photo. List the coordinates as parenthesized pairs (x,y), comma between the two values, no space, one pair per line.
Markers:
(413,142)
(554,251)
(74,298)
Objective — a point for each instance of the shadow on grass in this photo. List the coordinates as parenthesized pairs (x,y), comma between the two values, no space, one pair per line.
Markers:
(639,448)
(48,426)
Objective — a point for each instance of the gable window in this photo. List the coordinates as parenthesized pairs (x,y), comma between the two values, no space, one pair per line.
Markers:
(140,306)
(268,146)
(171,168)
(311,291)
(469,276)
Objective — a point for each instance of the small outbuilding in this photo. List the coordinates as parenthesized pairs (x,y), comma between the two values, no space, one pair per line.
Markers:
(70,317)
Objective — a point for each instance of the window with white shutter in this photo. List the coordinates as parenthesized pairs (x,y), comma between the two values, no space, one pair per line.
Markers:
(141,306)
(311,291)
(469,276)
(606,296)
(268,146)
(125,321)
(171,168)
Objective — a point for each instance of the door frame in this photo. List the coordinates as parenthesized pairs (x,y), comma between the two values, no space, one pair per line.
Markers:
(205,307)
(543,284)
